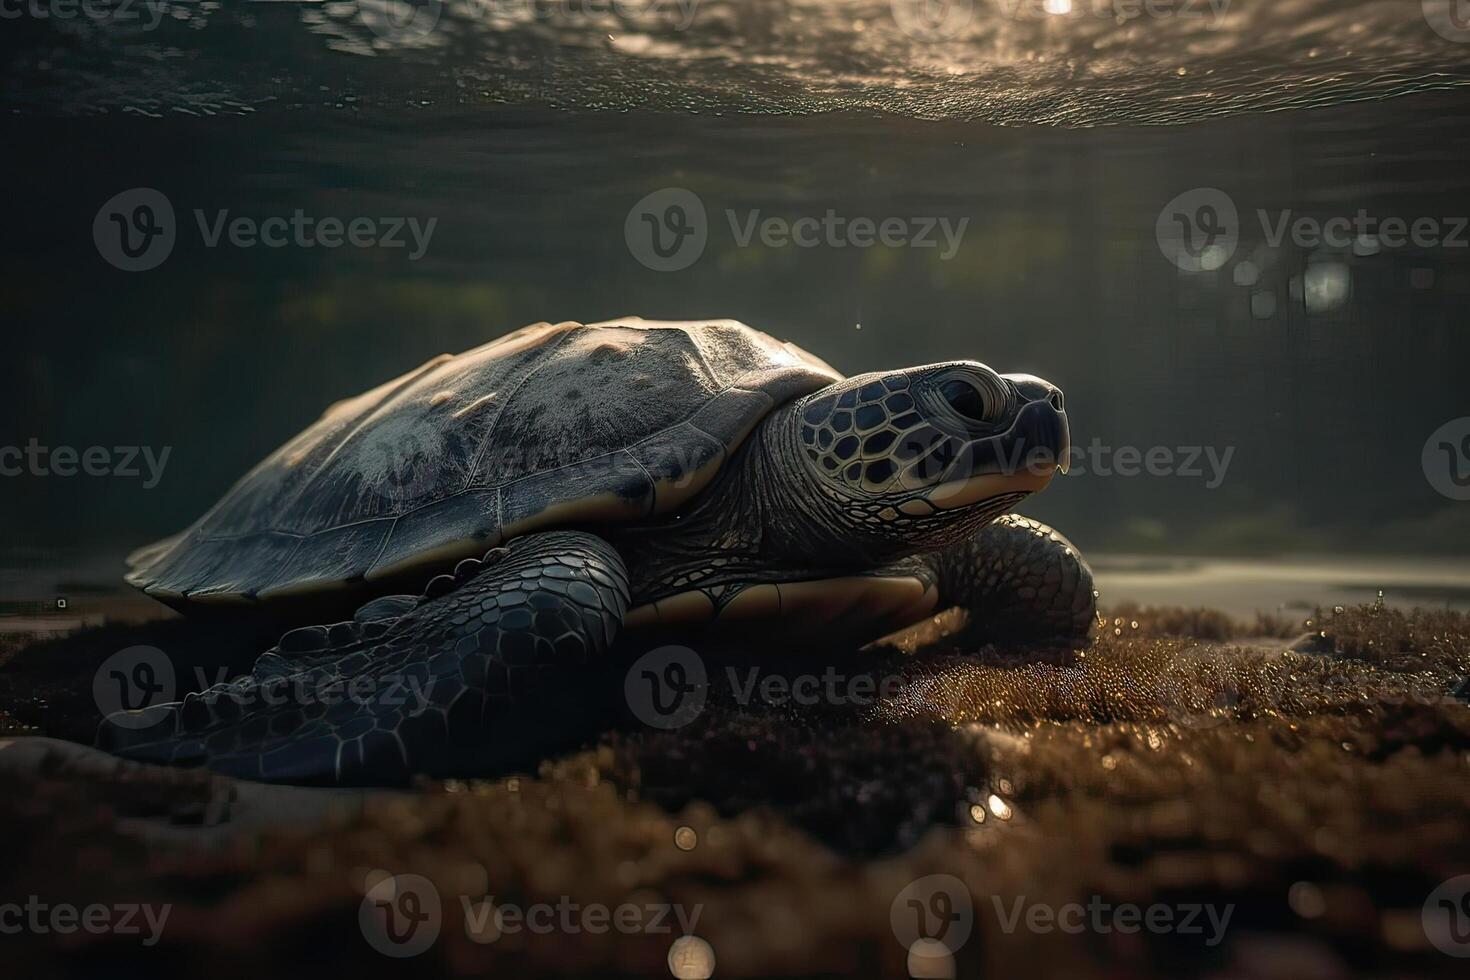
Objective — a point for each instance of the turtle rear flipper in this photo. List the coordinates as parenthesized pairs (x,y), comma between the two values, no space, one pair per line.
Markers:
(437,691)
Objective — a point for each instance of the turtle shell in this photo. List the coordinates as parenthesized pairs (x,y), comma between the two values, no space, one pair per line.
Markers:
(550,426)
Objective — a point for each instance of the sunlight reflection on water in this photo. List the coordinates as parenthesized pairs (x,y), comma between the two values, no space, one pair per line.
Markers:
(1068,62)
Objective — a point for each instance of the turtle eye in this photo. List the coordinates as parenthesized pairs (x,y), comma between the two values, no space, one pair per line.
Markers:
(968,400)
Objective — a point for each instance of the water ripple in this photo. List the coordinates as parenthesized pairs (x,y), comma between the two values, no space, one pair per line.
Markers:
(1052,62)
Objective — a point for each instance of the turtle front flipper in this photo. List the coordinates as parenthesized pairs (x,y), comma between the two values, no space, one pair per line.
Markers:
(442,688)
(1020,581)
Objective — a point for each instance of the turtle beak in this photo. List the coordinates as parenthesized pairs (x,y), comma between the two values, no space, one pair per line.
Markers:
(1041,432)
(1023,458)
(1039,438)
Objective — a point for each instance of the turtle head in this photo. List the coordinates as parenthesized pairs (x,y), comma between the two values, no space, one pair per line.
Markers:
(916,458)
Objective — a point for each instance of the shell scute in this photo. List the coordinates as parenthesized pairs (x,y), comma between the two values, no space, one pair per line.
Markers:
(552,425)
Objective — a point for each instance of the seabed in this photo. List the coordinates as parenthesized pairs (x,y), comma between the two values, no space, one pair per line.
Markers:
(1306,777)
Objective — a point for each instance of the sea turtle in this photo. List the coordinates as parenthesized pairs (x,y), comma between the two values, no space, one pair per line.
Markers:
(569,483)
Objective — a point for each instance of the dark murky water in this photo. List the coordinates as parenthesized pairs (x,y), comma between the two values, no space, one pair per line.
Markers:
(1286,389)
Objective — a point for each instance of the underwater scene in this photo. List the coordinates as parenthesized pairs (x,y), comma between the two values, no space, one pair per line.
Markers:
(736,487)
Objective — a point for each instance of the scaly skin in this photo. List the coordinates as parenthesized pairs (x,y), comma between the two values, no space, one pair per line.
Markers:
(1019,580)
(430,691)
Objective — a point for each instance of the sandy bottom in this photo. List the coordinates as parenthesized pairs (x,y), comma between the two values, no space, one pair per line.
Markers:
(1184,797)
